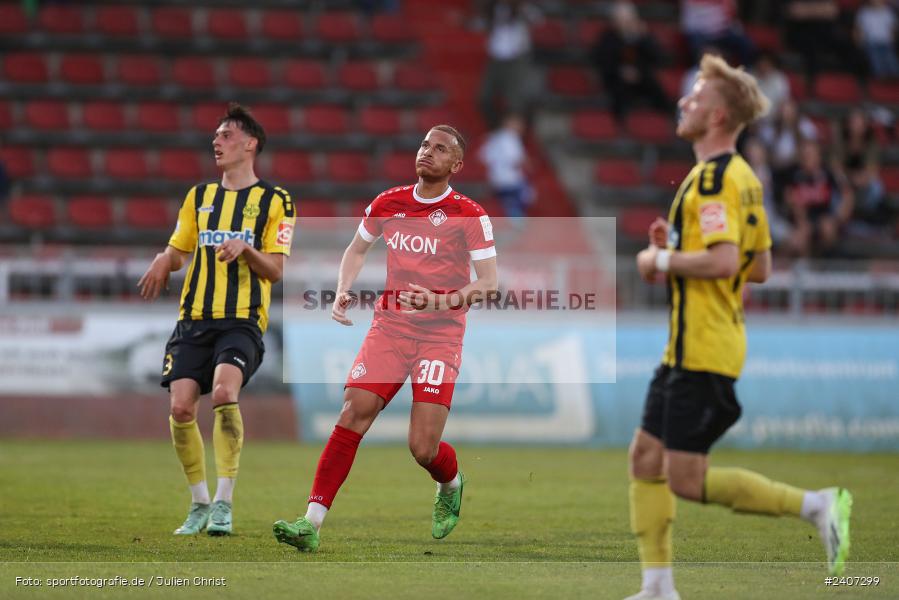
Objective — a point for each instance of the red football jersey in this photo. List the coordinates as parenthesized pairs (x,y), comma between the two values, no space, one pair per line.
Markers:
(430,242)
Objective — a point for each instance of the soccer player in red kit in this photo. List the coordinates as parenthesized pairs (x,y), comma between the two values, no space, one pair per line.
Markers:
(433,236)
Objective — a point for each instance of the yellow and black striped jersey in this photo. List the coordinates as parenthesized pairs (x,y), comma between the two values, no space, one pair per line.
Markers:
(719,201)
(263,216)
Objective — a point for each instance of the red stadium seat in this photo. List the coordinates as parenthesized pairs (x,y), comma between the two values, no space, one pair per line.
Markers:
(126,163)
(69,163)
(838,87)
(12,19)
(890,178)
(249,73)
(798,86)
(117,20)
(668,36)
(358,76)
(473,171)
(25,67)
(194,72)
(380,120)
(338,27)
(317,209)
(672,81)
(103,115)
(347,167)
(651,127)
(172,22)
(81,68)
(275,118)
(618,173)
(425,118)
(304,74)
(589,31)
(33,212)
(47,114)
(634,221)
(572,81)
(19,161)
(206,116)
(765,37)
(5,115)
(550,34)
(670,174)
(227,24)
(884,91)
(292,165)
(139,70)
(400,166)
(391,29)
(148,213)
(158,116)
(180,164)
(285,25)
(89,212)
(414,77)
(60,18)
(594,125)
(330,120)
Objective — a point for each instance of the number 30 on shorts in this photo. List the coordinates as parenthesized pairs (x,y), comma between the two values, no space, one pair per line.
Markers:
(431,372)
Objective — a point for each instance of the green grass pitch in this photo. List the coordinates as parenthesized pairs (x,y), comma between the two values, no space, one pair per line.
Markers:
(536,523)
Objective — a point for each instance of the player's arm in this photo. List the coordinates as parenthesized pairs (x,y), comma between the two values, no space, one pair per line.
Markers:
(420,298)
(718,261)
(156,278)
(266,265)
(350,265)
(761,268)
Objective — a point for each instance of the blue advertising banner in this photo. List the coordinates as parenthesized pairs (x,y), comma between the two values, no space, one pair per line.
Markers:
(816,387)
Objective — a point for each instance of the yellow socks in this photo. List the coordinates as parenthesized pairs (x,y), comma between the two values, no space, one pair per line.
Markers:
(652,512)
(189,447)
(745,491)
(227,439)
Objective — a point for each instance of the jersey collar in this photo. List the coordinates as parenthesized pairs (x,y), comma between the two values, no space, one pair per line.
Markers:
(449,190)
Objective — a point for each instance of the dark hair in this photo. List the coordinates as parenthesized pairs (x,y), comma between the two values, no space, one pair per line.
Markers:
(453,132)
(244,118)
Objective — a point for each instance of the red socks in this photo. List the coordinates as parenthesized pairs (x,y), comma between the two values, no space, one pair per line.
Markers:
(335,463)
(443,468)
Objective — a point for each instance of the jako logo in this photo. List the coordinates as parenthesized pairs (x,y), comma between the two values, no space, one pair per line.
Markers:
(412,243)
(218,237)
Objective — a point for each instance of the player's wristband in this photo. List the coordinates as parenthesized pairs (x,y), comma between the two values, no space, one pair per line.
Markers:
(663,260)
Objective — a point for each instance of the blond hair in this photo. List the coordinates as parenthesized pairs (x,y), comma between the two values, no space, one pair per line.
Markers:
(741,93)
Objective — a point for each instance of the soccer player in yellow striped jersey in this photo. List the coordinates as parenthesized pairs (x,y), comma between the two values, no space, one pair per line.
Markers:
(715,240)
(239,232)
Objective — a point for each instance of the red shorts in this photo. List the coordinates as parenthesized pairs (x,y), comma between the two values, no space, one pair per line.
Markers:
(385,361)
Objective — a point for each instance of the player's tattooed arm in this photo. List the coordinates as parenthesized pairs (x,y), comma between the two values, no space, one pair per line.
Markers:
(156,278)
(350,265)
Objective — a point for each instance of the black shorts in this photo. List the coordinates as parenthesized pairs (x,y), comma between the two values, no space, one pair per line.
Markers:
(689,410)
(196,347)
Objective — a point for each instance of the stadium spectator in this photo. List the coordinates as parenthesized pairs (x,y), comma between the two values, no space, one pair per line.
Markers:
(813,30)
(783,134)
(507,83)
(505,157)
(714,22)
(820,204)
(855,153)
(4,184)
(626,56)
(875,32)
(772,81)
(757,156)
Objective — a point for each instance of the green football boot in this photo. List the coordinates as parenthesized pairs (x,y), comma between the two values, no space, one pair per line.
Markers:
(300,534)
(446,510)
(196,519)
(833,525)
(219,518)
